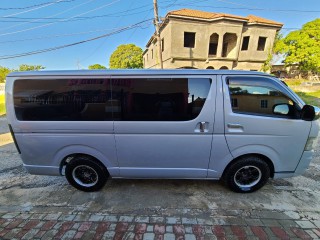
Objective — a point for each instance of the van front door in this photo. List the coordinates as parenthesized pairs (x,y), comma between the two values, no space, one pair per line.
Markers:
(252,126)
(163,125)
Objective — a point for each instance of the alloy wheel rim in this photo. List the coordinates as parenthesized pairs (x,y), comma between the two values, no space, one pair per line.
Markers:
(85,176)
(247,176)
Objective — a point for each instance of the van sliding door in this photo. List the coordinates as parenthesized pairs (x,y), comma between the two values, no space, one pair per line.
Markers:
(163,125)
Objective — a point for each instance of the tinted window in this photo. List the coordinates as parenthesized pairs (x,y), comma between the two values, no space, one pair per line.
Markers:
(63,100)
(165,99)
(258,100)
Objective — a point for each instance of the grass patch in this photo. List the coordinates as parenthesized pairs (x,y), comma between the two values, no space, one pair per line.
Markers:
(294,82)
(309,94)
(311,98)
(2,105)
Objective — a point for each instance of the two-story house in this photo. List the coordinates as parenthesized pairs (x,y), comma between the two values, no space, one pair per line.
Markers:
(206,40)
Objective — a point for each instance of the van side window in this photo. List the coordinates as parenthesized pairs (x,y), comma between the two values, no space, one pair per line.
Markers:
(165,99)
(258,100)
(63,100)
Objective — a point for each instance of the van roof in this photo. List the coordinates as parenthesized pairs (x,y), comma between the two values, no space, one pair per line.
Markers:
(132,72)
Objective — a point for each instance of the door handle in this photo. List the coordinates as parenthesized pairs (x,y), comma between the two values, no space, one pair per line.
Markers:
(234,125)
(202,127)
(235,128)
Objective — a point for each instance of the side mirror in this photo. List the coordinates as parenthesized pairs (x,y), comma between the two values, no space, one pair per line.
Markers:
(308,113)
(281,109)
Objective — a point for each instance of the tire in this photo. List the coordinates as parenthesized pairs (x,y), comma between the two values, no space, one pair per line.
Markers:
(86,174)
(247,175)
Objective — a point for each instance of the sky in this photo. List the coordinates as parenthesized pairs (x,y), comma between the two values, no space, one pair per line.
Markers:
(86,32)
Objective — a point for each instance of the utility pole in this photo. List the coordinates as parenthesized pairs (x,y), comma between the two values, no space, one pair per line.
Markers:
(156,23)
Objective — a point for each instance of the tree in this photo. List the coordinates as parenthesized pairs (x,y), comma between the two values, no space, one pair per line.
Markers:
(272,53)
(3,73)
(126,56)
(26,67)
(96,66)
(266,66)
(302,47)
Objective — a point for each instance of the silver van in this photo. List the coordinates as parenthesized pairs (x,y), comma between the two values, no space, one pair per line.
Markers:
(238,126)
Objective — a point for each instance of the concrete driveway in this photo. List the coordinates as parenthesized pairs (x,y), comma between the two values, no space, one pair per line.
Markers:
(294,199)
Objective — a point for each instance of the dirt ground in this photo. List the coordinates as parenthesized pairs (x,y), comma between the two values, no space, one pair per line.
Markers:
(20,191)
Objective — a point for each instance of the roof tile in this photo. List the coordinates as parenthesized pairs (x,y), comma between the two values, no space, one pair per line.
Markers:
(211,15)
(256,19)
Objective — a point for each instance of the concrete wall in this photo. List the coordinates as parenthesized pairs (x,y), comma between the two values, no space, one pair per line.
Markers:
(252,54)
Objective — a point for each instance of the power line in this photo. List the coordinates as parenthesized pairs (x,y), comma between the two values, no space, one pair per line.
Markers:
(55,36)
(100,30)
(114,14)
(57,14)
(32,6)
(117,14)
(133,32)
(33,9)
(103,42)
(48,24)
(72,44)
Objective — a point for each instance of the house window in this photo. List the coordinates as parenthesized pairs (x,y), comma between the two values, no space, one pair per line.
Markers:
(213,48)
(189,39)
(261,43)
(162,44)
(245,43)
(224,49)
(264,103)
(152,54)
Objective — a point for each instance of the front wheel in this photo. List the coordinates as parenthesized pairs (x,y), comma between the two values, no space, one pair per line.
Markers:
(246,175)
(86,174)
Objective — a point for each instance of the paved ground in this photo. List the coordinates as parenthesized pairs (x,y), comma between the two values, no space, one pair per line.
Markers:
(44,207)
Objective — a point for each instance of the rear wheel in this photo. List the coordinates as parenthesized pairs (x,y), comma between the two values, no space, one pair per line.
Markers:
(86,174)
(246,175)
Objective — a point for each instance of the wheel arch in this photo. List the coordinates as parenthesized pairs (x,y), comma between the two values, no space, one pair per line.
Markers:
(66,160)
(65,154)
